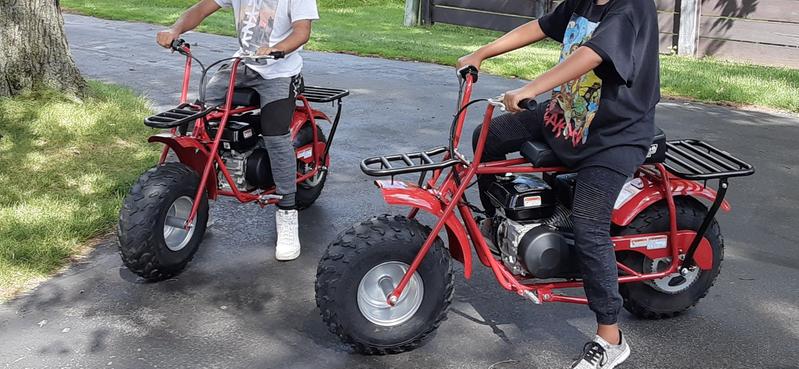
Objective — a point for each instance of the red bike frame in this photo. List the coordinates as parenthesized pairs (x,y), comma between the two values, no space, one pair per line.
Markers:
(442,197)
(200,151)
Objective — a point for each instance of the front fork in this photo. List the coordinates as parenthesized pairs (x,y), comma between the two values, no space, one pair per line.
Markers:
(393,297)
(215,146)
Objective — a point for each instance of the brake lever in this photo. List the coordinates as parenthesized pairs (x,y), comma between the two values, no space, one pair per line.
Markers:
(524,104)
(498,102)
(273,55)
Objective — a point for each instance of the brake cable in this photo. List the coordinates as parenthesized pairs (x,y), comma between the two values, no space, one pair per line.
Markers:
(455,123)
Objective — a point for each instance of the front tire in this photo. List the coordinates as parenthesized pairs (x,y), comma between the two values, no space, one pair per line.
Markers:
(352,301)
(672,295)
(152,241)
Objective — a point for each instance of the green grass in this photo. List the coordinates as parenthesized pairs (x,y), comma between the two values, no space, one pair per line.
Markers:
(374,27)
(65,166)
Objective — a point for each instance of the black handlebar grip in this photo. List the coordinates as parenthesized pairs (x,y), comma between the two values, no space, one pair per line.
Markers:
(528,104)
(469,70)
(177,44)
(277,54)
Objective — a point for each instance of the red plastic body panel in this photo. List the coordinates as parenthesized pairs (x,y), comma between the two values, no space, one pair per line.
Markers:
(301,117)
(408,194)
(190,152)
(651,193)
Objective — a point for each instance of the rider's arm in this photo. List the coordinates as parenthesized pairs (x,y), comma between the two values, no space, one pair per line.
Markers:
(302,13)
(583,60)
(522,36)
(188,21)
(300,34)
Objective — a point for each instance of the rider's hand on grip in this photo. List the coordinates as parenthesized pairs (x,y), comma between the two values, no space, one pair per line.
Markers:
(277,54)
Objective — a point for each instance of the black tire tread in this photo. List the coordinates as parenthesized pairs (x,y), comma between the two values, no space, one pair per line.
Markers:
(335,260)
(138,218)
(687,208)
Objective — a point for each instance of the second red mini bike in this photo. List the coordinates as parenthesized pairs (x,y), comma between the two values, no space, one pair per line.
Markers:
(163,218)
(386,283)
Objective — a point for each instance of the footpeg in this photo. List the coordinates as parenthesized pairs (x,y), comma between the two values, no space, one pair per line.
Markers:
(532,296)
(266,199)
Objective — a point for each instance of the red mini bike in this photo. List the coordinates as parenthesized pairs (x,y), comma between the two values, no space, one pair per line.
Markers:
(164,216)
(386,283)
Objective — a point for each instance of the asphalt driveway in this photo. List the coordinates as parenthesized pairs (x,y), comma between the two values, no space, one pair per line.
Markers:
(236,307)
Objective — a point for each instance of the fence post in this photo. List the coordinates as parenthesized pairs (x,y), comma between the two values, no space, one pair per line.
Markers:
(411,13)
(690,12)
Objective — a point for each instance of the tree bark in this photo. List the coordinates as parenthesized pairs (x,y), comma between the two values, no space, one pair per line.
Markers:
(33,48)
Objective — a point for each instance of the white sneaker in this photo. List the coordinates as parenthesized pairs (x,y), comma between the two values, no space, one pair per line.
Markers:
(288,238)
(599,354)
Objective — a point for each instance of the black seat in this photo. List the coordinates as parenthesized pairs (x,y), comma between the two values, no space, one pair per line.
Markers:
(246,97)
(541,155)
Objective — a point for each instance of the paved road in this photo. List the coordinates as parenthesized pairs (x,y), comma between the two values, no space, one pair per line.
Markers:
(236,307)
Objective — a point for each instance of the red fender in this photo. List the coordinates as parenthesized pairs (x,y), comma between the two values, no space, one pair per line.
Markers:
(408,194)
(642,193)
(190,152)
(301,117)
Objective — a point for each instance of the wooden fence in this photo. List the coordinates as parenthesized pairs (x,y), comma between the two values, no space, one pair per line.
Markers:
(763,31)
(760,31)
(498,15)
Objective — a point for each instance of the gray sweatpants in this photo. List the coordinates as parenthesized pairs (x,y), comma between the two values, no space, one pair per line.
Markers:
(277,108)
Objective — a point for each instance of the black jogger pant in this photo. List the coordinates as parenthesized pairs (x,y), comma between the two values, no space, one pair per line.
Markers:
(595,194)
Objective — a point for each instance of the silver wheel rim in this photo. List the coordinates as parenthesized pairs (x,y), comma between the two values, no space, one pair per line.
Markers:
(375,287)
(176,237)
(671,284)
(315,179)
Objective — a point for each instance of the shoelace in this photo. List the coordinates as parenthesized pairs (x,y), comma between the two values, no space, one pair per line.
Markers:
(593,353)
(286,226)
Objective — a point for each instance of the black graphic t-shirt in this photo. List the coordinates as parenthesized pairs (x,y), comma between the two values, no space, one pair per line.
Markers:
(606,117)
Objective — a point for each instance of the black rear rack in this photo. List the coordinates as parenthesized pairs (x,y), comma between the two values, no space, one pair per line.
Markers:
(323,94)
(391,165)
(698,160)
(178,116)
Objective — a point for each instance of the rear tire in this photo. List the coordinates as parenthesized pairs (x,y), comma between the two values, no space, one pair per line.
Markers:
(349,265)
(149,246)
(310,190)
(650,301)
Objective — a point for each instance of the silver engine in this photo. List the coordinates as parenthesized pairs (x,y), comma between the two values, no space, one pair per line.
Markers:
(236,163)
(509,236)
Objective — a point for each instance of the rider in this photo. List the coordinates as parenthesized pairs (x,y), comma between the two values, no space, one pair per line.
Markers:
(263,27)
(599,121)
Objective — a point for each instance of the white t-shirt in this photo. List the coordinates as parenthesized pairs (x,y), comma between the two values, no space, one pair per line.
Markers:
(264,23)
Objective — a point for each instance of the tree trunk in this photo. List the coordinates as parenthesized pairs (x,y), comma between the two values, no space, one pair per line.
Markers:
(33,48)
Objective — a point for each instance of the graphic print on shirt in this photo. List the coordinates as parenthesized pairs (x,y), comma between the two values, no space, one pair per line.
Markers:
(575,104)
(255,21)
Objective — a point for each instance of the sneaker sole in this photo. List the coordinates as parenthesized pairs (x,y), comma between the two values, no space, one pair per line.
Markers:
(289,257)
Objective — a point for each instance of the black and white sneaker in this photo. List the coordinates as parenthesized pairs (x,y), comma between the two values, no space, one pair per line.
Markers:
(599,354)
